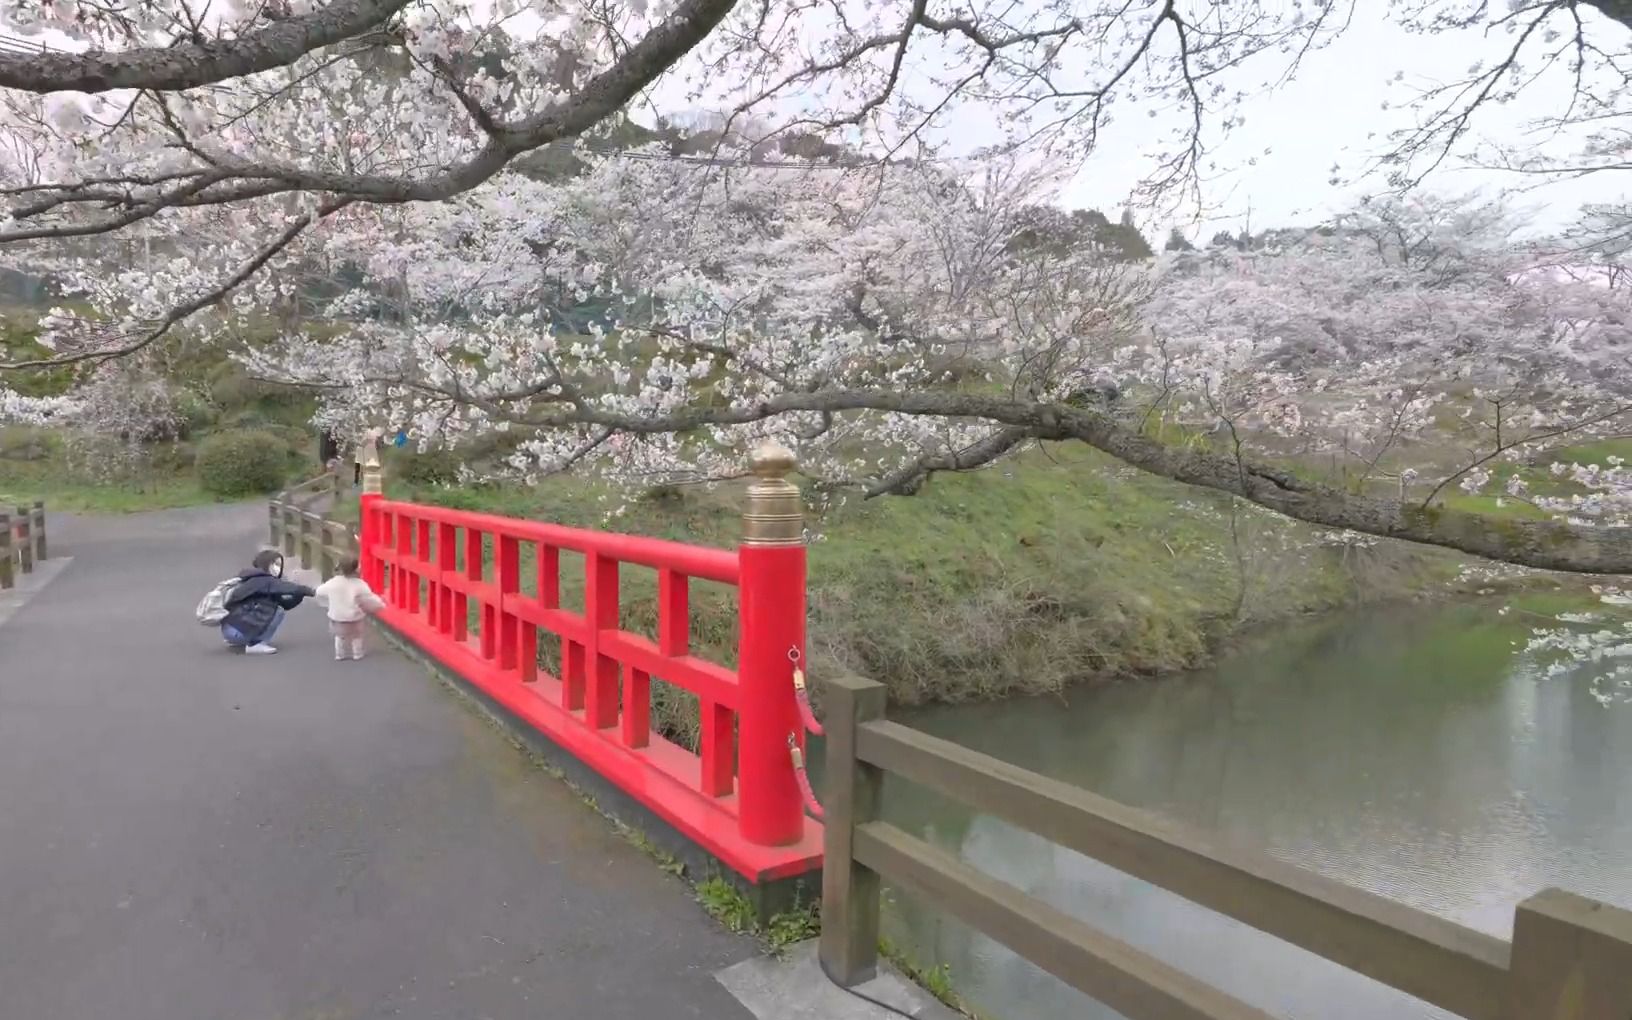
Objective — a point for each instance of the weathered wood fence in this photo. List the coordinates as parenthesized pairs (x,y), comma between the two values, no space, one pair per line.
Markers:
(314,538)
(1570,958)
(22,542)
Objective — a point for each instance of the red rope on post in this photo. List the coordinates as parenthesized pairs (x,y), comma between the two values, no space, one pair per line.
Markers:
(812,805)
(806,714)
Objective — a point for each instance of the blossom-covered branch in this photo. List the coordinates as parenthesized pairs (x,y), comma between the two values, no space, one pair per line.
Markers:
(260,40)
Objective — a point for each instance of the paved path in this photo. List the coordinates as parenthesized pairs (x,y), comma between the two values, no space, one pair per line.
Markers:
(191,835)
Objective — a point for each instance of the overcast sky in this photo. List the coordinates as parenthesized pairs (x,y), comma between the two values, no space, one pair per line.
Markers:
(1326,116)
(1277,167)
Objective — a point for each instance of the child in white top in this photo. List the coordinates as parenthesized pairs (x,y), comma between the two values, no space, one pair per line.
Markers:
(349,599)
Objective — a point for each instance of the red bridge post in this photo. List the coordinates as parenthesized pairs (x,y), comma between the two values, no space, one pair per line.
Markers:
(771,636)
(368,523)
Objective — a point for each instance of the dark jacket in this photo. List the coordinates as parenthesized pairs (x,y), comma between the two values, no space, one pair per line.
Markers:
(254,603)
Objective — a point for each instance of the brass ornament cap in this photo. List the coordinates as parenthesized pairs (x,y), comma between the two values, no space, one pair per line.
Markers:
(775,514)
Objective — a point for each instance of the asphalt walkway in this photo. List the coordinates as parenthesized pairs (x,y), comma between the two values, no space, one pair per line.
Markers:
(187,834)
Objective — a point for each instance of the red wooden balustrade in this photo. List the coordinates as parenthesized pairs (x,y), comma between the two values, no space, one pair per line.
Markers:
(737,796)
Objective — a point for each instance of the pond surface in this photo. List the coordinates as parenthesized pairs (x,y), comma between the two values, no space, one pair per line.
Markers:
(1414,752)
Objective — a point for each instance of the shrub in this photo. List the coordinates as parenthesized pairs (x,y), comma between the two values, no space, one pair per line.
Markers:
(195,412)
(231,387)
(242,463)
(432,467)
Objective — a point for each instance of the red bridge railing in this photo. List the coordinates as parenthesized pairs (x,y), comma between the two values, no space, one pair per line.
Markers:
(452,580)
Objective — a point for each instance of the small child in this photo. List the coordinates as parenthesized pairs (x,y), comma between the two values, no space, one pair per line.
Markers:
(348,598)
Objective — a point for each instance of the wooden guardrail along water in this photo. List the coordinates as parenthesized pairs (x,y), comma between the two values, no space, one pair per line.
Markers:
(1570,958)
(22,542)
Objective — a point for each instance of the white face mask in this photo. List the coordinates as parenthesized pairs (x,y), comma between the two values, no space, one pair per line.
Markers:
(276,569)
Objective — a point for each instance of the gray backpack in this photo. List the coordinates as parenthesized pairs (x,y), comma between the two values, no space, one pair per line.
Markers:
(212,608)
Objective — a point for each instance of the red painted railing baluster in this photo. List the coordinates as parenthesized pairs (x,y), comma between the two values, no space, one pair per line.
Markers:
(422,565)
(401,577)
(509,577)
(447,564)
(388,541)
(549,576)
(473,572)
(673,613)
(487,632)
(637,707)
(572,674)
(433,577)
(717,747)
(600,613)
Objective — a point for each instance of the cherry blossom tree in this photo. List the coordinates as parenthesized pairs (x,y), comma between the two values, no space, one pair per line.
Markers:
(133,109)
(652,314)
(892,324)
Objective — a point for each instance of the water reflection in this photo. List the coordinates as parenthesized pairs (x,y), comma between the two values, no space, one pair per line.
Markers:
(1412,753)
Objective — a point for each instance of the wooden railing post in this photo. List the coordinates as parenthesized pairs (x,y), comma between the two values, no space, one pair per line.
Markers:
(291,527)
(328,557)
(850,891)
(307,559)
(274,522)
(1572,959)
(771,642)
(25,541)
(8,558)
(39,530)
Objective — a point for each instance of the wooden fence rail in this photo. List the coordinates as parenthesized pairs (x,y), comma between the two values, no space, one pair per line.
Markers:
(22,542)
(314,539)
(1570,958)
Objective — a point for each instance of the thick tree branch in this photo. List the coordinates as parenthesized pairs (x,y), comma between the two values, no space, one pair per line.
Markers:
(226,182)
(189,65)
(1545,545)
(910,478)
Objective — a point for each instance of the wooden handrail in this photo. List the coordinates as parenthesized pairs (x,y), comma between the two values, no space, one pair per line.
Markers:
(1571,959)
(1436,960)
(1128,980)
(304,494)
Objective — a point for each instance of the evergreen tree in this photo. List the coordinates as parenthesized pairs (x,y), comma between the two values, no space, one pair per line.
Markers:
(1176,241)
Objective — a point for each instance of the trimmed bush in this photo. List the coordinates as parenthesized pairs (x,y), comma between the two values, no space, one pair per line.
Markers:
(195,414)
(242,462)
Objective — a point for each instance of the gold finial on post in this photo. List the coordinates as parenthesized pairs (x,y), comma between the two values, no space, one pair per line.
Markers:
(775,514)
(373,476)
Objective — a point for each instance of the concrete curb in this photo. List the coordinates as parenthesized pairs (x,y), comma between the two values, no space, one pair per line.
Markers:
(30,585)
(793,987)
